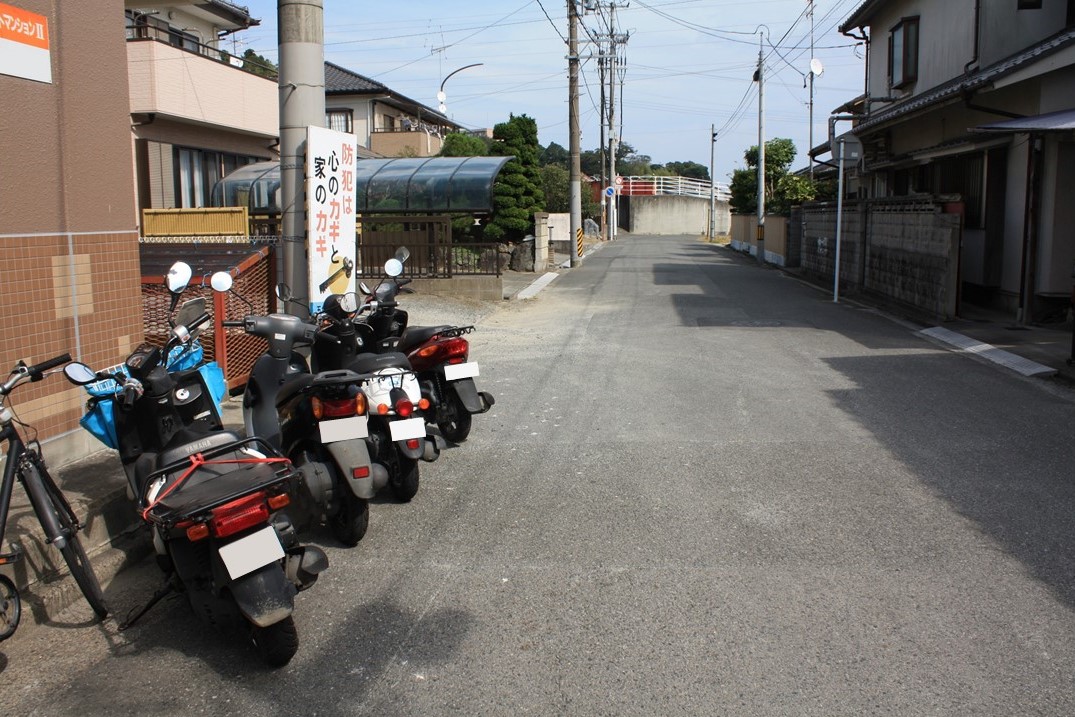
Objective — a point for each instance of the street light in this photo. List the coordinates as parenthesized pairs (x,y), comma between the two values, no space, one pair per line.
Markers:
(440,93)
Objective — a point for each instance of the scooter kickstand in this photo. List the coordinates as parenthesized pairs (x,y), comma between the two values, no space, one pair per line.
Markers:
(162,593)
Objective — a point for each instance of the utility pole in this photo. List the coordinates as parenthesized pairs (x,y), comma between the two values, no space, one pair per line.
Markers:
(761,153)
(301,35)
(573,130)
(809,150)
(712,183)
(612,139)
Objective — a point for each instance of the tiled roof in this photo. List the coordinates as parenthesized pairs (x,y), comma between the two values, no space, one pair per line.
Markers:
(342,81)
(969,83)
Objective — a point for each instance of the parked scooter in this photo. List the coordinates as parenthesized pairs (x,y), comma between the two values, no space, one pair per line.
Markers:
(438,354)
(210,498)
(397,437)
(318,420)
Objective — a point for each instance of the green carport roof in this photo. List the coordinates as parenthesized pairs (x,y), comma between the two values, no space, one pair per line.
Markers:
(429,184)
(387,186)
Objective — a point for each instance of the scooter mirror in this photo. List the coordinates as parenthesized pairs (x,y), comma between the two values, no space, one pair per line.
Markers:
(283,292)
(221,281)
(364,288)
(79,373)
(403,254)
(189,311)
(393,267)
(349,302)
(178,277)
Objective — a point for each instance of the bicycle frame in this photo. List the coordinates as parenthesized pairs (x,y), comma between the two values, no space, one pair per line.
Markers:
(17,453)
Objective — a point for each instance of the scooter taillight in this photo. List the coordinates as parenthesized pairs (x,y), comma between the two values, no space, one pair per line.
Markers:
(338,407)
(239,515)
(453,350)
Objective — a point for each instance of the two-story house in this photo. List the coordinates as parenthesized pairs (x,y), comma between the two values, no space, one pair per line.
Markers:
(960,97)
(197,111)
(384,121)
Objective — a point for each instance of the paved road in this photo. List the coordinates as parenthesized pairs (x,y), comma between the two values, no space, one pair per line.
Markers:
(704,489)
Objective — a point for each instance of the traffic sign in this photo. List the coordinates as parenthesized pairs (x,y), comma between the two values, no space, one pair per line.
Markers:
(610,191)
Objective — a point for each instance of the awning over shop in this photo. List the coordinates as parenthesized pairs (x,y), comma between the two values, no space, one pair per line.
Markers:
(1050,122)
(400,185)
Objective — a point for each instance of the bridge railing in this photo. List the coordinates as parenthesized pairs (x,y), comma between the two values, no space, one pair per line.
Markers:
(683,186)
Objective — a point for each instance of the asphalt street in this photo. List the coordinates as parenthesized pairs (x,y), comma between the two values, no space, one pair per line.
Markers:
(704,489)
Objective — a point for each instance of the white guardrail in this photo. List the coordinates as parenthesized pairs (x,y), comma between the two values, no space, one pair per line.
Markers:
(682,186)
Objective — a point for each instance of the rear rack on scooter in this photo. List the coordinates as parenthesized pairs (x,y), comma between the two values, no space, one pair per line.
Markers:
(455,331)
(261,467)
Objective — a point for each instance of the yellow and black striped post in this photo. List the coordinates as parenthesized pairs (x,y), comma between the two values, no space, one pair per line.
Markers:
(578,242)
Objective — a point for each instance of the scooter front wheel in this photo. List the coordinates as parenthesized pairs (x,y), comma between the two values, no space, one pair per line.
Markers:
(277,643)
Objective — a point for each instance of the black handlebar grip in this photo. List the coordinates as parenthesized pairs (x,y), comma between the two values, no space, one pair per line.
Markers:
(130,395)
(204,318)
(232,324)
(36,371)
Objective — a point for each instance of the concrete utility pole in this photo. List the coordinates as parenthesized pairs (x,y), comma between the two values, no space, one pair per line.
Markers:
(573,129)
(809,156)
(712,183)
(761,153)
(613,140)
(301,33)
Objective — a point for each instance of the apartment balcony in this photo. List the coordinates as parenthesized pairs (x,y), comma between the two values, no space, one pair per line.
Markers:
(414,142)
(195,86)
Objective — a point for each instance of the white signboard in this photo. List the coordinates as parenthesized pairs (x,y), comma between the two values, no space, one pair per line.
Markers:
(330,213)
(24,44)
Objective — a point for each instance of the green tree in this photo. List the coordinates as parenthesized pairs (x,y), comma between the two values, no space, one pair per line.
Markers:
(253,62)
(781,189)
(517,192)
(556,183)
(556,154)
(461,144)
(685,169)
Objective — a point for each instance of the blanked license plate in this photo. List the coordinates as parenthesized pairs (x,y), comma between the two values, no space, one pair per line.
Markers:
(256,550)
(454,372)
(407,428)
(343,429)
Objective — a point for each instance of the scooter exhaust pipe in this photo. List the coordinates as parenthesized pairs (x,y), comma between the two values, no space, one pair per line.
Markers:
(304,564)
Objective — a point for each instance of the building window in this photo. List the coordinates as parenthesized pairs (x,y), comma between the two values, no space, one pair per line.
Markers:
(903,53)
(1029,5)
(197,170)
(339,120)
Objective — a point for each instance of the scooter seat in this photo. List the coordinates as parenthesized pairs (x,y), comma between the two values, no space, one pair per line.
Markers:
(415,336)
(369,363)
(187,443)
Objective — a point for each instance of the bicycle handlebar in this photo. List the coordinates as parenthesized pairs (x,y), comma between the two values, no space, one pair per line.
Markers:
(35,372)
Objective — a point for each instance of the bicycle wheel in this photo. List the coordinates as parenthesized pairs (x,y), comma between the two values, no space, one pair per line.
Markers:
(10,608)
(73,553)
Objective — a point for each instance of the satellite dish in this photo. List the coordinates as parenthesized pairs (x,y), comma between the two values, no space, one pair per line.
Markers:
(816,68)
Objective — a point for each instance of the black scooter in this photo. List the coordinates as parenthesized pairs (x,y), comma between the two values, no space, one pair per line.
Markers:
(210,498)
(319,420)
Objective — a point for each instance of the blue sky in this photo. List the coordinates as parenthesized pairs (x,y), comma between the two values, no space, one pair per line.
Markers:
(689,65)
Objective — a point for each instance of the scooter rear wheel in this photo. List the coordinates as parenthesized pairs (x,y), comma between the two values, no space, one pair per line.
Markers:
(404,482)
(457,427)
(277,643)
(350,522)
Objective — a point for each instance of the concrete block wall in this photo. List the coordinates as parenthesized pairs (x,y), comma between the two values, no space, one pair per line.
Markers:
(818,247)
(906,252)
(912,257)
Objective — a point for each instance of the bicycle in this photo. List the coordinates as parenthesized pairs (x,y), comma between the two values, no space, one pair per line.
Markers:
(58,520)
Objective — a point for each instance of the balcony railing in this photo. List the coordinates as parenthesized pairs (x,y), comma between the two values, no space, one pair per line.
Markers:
(184,41)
